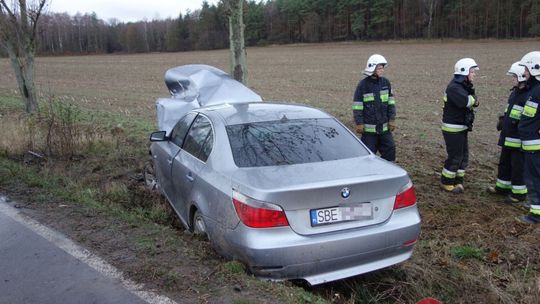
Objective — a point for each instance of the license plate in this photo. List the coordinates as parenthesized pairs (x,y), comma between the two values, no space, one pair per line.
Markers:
(340,214)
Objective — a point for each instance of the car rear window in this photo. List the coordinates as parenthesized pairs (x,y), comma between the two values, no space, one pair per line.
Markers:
(286,142)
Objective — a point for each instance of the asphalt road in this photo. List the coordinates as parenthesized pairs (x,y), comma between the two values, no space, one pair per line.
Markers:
(39,265)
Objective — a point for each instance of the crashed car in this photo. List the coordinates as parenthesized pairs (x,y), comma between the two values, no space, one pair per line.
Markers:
(286,189)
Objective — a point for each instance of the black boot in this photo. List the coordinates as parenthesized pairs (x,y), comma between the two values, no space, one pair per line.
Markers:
(530,218)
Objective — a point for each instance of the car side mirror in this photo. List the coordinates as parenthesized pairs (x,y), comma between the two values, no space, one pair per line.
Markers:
(159,136)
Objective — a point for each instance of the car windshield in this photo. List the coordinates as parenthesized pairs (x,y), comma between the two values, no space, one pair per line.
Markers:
(287,142)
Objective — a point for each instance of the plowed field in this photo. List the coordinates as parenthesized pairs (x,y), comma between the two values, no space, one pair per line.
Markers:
(505,262)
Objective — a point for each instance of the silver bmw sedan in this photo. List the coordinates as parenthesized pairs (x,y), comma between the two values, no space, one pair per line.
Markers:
(287,190)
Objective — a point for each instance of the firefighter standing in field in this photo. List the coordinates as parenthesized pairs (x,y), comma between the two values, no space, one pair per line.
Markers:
(510,172)
(529,132)
(374,109)
(458,118)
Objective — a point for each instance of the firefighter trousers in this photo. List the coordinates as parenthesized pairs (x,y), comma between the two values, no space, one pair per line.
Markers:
(532,179)
(457,148)
(382,143)
(510,173)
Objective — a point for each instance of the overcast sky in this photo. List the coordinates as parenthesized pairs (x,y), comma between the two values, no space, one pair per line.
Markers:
(127,10)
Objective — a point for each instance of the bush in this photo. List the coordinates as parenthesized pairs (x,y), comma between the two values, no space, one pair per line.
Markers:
(60,130)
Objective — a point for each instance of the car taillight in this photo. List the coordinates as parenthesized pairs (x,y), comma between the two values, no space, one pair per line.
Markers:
(409,243)
(406,197)
(257,214)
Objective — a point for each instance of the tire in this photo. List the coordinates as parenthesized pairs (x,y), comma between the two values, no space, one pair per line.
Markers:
(199,227)
(149,176)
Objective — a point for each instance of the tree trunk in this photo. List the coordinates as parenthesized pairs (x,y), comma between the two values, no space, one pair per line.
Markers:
(498,19)
(431,6)
(24,73)
(349,23)
(237,44)
(521,20)
(18,38)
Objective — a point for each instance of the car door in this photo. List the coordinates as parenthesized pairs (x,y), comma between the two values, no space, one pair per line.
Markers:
(189,161)
(166,152)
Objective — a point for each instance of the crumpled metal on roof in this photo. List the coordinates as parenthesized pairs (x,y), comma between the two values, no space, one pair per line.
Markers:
(207,84)
(197,85)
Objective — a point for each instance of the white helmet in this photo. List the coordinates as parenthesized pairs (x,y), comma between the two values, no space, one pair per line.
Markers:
(532,62)
(464,65)
(518,70)
(372,63)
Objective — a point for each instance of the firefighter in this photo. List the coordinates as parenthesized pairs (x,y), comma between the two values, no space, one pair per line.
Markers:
(374,109)
(458,118)
(510,180)
(529,133)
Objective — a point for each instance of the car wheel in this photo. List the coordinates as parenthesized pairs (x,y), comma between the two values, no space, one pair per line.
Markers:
(149,175)
(199,227)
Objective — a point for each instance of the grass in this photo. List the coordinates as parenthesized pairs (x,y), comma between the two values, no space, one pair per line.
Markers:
(467,252)
(234,267)
(451,260)
(146,243)
(244,301)
(10,103)
(171,279)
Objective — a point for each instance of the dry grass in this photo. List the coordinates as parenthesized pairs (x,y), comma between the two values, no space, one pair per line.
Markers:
(14,139)
(60,130)
(325,76)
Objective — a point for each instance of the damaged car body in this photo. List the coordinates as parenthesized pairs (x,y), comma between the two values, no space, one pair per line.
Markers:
(286,189)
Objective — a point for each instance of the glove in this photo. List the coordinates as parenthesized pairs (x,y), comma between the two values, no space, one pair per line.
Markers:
(360,129)
(500,122)
(476,103)
(391,125)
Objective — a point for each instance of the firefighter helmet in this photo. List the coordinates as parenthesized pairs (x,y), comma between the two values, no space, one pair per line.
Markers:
(532,62)
(464,65)
(372,63)
(518,70)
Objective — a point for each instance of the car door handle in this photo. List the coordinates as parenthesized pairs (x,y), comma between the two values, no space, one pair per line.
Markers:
(190,177)
(169,160)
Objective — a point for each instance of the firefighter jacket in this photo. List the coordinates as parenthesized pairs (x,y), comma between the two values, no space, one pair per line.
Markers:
(458,114)
(529,125)
(509,137)
(373,104)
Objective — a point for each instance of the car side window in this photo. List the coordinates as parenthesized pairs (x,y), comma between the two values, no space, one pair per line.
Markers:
(199,138)
(179,131)
(207,148)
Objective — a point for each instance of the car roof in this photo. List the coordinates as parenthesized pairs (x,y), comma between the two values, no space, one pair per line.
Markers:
(241,113)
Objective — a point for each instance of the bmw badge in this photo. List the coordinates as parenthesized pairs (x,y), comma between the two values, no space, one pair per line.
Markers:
(345,192)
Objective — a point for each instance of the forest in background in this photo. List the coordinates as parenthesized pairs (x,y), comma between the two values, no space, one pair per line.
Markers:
(293,21)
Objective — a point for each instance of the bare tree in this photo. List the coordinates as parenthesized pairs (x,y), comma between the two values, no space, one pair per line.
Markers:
(236,37)
(430,8)
(18,32)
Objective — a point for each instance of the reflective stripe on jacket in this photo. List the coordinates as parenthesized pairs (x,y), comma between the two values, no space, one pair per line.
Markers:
(509,136)
(453,128)
(374,104)
(458,102)
(529,125)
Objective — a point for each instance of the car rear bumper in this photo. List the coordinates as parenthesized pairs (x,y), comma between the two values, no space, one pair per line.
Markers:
(280,253)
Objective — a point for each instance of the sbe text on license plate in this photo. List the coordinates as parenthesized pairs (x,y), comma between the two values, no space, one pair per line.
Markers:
(340,214)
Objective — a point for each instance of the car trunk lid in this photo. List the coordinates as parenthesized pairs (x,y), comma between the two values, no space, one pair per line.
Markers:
(362,190)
